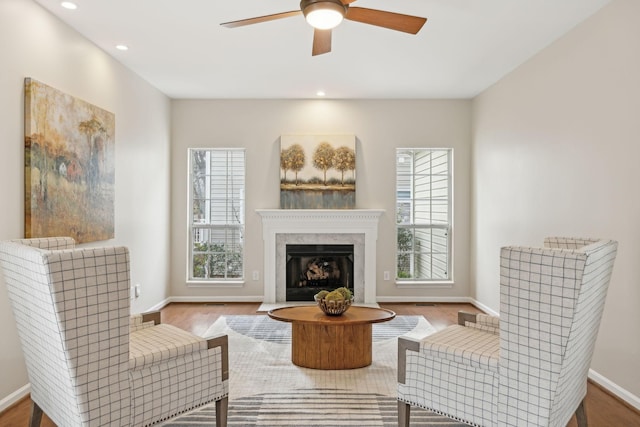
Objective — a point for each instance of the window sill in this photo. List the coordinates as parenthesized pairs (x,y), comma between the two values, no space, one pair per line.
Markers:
(214,283)
(425,284)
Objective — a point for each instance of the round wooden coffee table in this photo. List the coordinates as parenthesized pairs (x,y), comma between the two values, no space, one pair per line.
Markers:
(319,341)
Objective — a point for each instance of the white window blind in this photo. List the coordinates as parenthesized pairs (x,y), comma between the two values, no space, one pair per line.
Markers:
(216,226)
(423,210)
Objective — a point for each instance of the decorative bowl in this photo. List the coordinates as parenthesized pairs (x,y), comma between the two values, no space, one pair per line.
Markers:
(333,307)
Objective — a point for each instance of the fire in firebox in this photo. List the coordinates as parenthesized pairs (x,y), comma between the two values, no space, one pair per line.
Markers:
(310,267)
(320,272)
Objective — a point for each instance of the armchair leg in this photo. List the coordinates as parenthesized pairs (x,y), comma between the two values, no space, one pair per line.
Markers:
(222,407)
(36,415)
(581,415)
(404,413)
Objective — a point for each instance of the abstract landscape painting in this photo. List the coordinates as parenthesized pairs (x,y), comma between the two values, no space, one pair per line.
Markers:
(69,166)
(317,171)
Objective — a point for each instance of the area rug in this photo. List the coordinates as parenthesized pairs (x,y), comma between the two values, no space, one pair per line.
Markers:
(267,389)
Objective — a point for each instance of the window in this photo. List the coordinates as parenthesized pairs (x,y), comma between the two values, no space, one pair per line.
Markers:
(216,214)
(423,214)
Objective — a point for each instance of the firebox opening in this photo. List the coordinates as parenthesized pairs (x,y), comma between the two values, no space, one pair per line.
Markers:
(312,268)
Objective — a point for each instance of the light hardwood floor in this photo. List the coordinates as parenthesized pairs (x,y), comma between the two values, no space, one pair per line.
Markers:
(603,410)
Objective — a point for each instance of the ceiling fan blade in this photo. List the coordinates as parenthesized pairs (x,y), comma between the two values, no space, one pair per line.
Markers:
(259,19)
(347,1)
(321,42)
(393,21)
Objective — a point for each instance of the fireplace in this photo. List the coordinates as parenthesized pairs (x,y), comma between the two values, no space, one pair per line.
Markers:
(312,268)
(357,227)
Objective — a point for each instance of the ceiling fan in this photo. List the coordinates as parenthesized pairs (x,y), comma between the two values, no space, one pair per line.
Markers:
(323,15)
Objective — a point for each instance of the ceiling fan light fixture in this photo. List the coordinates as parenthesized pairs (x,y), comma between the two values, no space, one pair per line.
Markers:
(323,14)
(69,5)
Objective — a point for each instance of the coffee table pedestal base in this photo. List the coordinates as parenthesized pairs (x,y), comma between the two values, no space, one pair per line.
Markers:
(339,346)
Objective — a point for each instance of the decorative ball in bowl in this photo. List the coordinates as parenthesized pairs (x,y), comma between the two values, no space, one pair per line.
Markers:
(334,303)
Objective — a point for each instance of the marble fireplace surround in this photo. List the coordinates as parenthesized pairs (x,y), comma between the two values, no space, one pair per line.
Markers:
(358,227)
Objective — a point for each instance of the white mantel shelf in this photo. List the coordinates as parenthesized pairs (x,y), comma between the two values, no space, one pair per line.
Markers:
(341,222)
(301,217)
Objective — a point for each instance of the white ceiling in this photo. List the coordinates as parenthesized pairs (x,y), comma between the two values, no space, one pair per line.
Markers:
(179,47)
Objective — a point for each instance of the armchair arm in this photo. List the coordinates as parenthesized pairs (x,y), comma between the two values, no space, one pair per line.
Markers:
(221,341)
(144,320)
(465,316)
(405,344)
(481,321)
(151,316)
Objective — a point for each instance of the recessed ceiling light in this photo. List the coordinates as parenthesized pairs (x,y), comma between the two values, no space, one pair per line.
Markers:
(122,47)
(320,93)
(69,5)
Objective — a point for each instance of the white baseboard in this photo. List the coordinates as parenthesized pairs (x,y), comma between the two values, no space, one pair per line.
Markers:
(468,300)
(615,389)
(15,397)
(204,299)
(160,305)
(258,298)
(392,300)
(484,307)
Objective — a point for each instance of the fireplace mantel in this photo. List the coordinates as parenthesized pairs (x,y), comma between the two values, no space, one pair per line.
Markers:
(338,223)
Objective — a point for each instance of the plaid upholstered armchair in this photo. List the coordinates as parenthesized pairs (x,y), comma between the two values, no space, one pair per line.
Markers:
(89,362)
(529,368)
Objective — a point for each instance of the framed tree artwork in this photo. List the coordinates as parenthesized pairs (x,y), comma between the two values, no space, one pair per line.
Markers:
(318,171)
(69,166)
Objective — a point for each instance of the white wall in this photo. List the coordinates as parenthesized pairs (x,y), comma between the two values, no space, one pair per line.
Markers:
(556,153)
(379,125)
(35,44)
